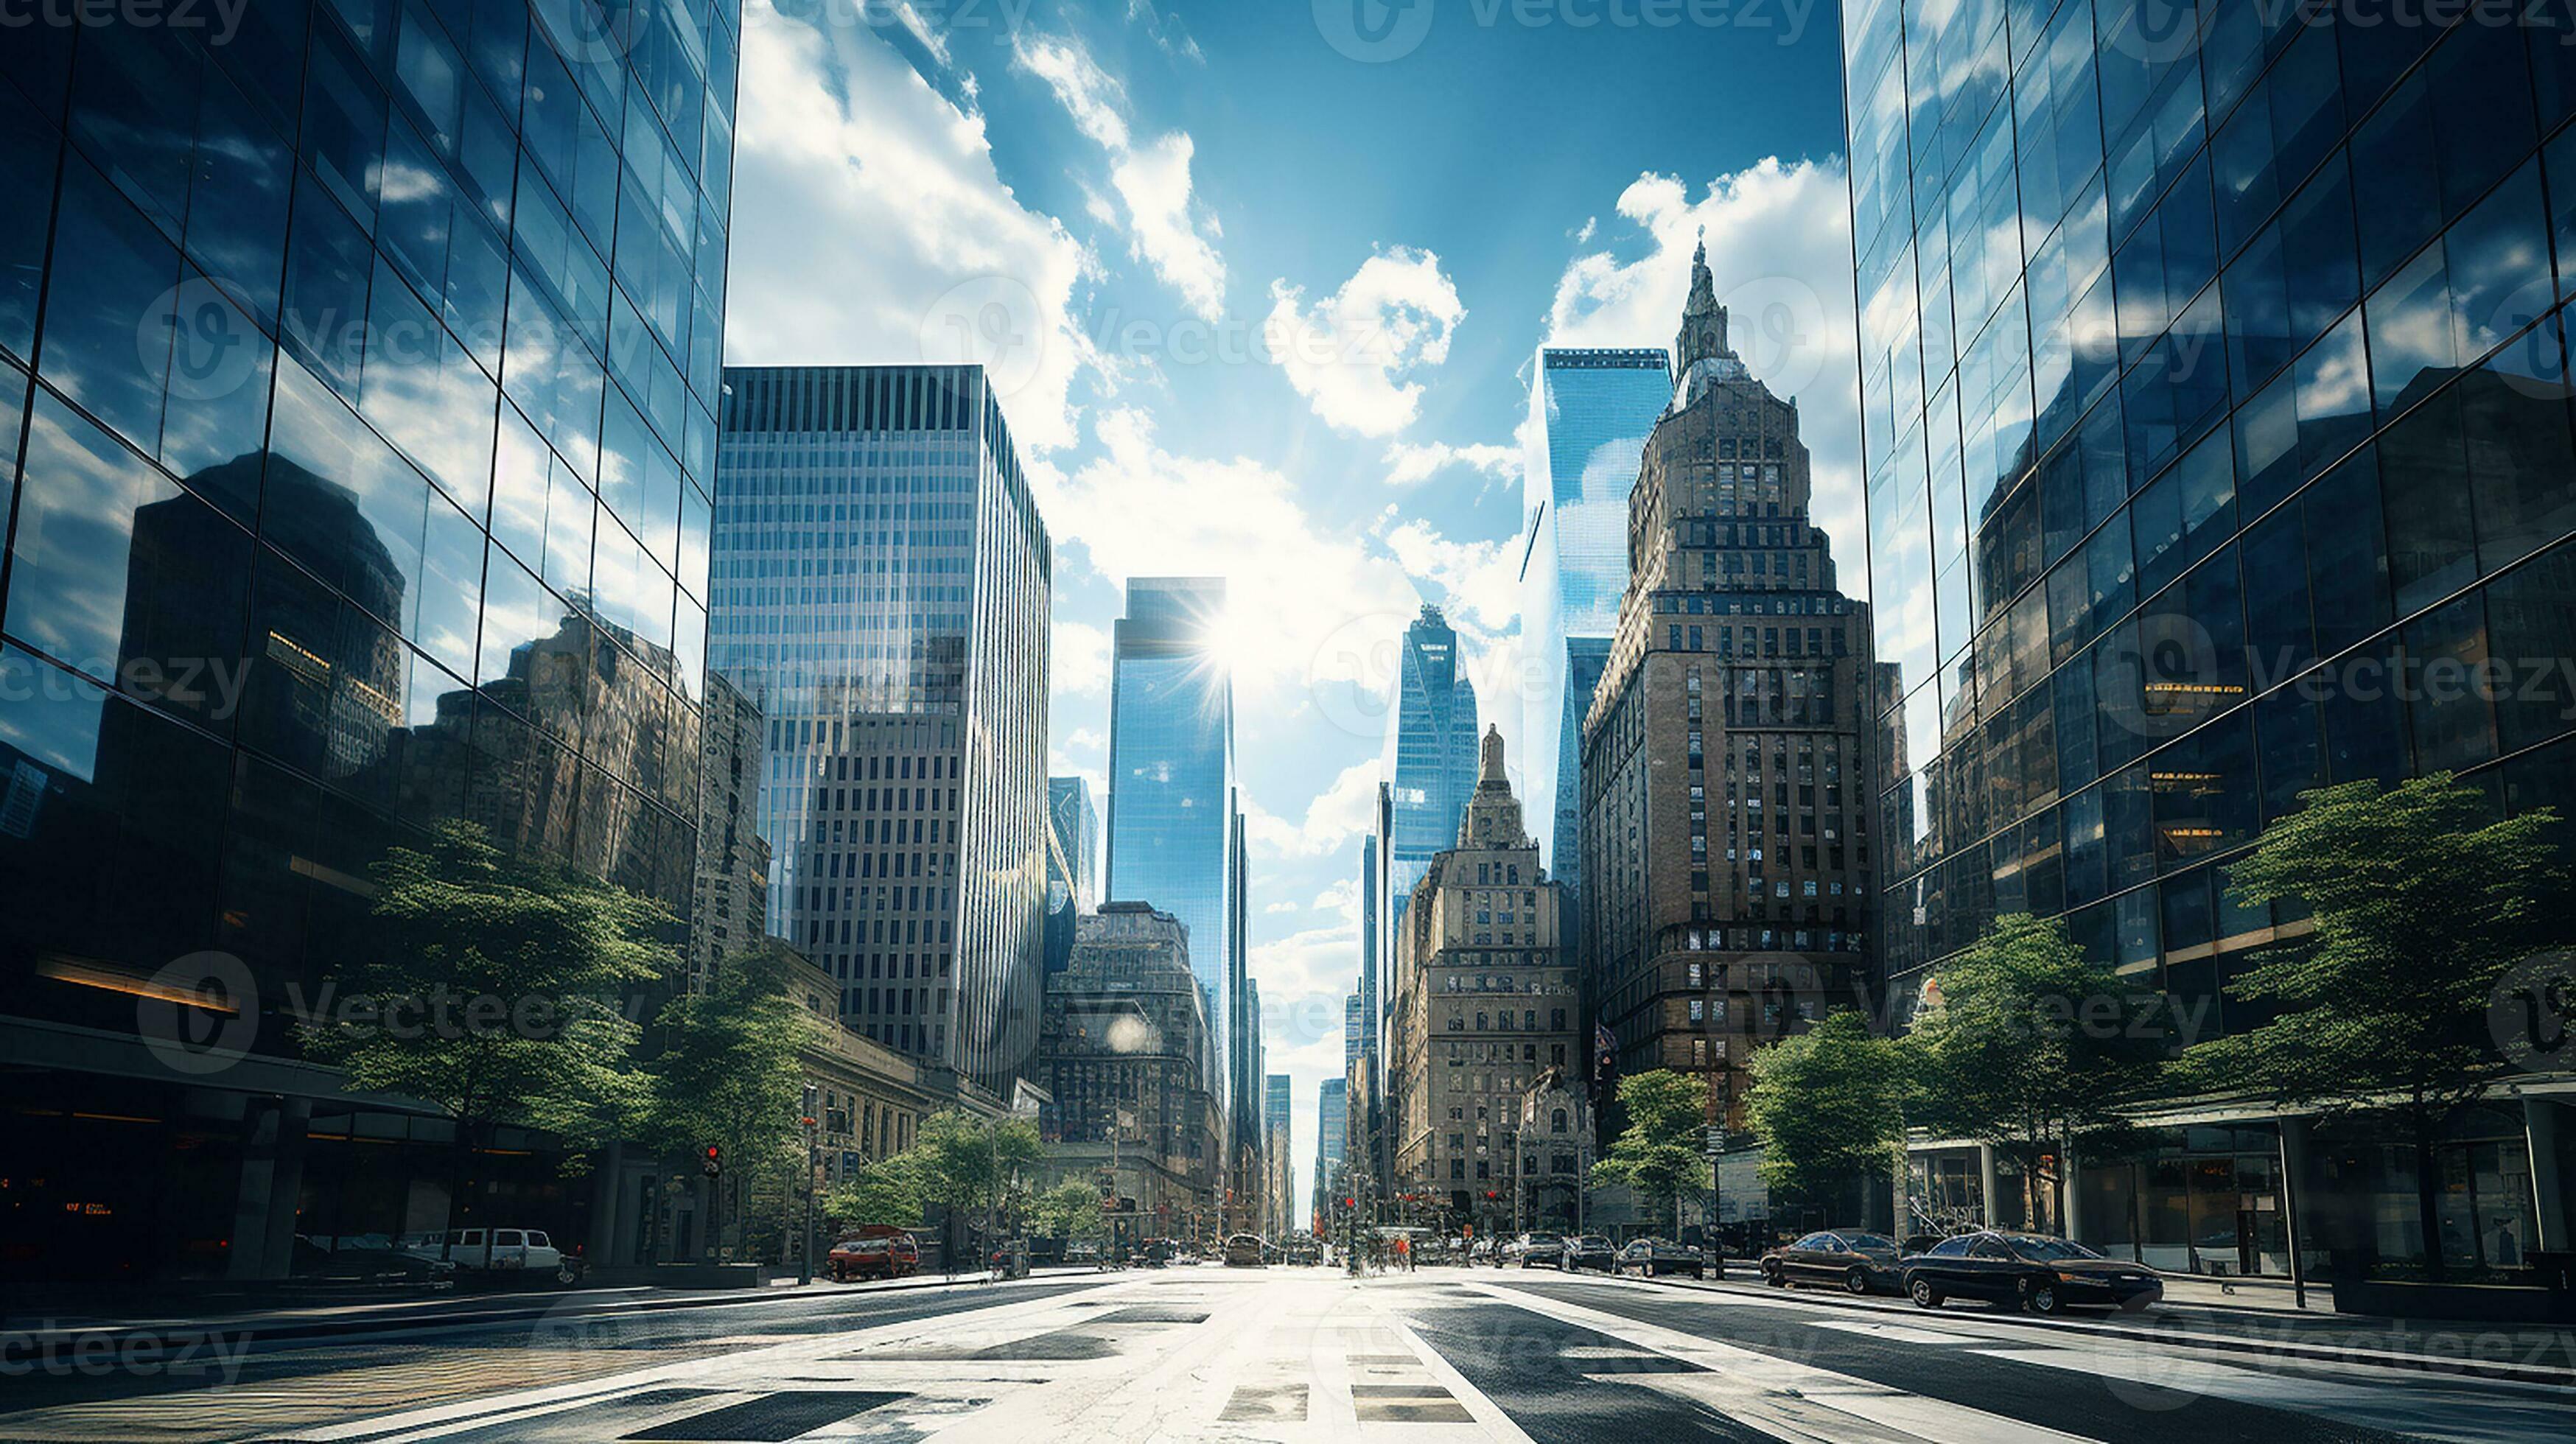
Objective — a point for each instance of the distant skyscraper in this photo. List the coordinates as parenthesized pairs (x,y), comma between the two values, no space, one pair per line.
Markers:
(882,591)
(1275,1134)
(1590,414)
(1171,780)
(1077,839)
(1434,751)
(1332,1132)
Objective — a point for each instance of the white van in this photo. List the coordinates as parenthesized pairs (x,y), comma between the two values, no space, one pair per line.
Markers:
(514,1250)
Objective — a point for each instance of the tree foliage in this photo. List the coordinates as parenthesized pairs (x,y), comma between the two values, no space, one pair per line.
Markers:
(729,1071)
(2034,1049)
(1829,1105)
(885,1191)
(1661,1155)
(496,990)
(1071,1209)
(2421,904)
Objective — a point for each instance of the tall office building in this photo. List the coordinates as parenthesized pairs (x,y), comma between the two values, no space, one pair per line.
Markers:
(882,583)
(1431,751)
(729,911)
(1282,1189)
(402,519)
(1074,861)
(1591,411)
(2210,377)
(1171,783)
(1332,1133)
(1724,838)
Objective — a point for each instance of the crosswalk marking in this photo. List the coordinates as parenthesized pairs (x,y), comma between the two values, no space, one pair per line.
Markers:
(1899,1333)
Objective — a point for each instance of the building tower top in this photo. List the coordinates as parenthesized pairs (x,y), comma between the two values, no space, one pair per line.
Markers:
(1703,332)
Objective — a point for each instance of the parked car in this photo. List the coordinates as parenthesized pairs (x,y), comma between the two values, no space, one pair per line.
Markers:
(1533,1250)
(1243,1251)
(1654,1257)
(501,1250)
(1155,1253)
(1590,1251)
(873,1251)
(2043,1275)
(1854,1260)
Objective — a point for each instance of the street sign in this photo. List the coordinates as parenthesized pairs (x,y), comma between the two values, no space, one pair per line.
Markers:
(1716,1142)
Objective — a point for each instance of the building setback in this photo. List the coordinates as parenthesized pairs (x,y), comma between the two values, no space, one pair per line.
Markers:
(1725,844)
(409,526)
(1485,1004)
(882,587)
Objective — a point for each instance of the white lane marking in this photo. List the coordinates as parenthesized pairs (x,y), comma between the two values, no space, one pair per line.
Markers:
(1898,1333)
(793,1353)
(1791,1400)
(2419,1404)
(1495,1423)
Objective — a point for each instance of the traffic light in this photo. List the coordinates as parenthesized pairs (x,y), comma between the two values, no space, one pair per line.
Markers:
(713,1165)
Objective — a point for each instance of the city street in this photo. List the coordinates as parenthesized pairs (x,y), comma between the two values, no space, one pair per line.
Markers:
(1282,1353)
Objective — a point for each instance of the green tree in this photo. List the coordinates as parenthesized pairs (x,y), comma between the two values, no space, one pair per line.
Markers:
(730,1072)
(2035,1050)
(495,991)
(885,1191)
(966,1164)
(1829,1106)
(1661,1155)
(1071,1209)
(2421,903)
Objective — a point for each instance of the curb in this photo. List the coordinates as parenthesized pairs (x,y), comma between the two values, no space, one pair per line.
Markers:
(2555,1376)
(119,1338)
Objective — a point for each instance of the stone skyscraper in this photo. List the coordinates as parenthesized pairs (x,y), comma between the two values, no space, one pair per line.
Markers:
(1485,1002)
(882,587)
(1725,830)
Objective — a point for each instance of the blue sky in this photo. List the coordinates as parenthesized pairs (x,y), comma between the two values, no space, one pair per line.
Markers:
(1260,294)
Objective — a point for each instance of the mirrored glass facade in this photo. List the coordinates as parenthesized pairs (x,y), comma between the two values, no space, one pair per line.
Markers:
(1171,783)
(2217,443)
(1433,747)
(883,583)
(357,375)
(1591,411)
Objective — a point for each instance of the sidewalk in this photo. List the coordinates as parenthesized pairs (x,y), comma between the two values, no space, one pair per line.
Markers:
(23,1333)
(2258,1317)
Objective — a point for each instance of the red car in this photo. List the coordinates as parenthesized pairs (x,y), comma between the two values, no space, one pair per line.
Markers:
(873,1251)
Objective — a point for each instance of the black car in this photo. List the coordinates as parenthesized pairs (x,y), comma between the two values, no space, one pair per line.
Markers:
(1653,1257)
(1853,1260)
(2043,1275)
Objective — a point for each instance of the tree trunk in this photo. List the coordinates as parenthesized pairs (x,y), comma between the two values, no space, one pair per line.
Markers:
(2057,1188)
(2428,1200)
(458,1160)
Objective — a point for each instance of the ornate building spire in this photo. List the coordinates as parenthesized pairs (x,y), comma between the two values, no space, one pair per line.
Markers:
(1703,332)
(1493,815)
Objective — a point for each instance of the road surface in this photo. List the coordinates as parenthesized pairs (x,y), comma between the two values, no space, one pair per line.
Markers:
(1288,1354)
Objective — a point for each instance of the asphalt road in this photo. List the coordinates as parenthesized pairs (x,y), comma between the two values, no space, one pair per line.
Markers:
(1282,1354)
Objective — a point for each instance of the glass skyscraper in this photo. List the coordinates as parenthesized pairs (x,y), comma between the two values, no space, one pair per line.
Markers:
(1591,411)
(357,379)
(1077,840)
(2213,388)
(882,589)
(1433,747)
(1171,782)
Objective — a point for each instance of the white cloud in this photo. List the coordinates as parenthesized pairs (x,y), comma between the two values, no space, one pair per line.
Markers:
(1080,656)
(1165,229)
(1479,580)
(1352,354)
(1779,249)
(1341,897)
(1295,583)
(849,165)
(1334,819)
(1281,906)
(1408,462)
